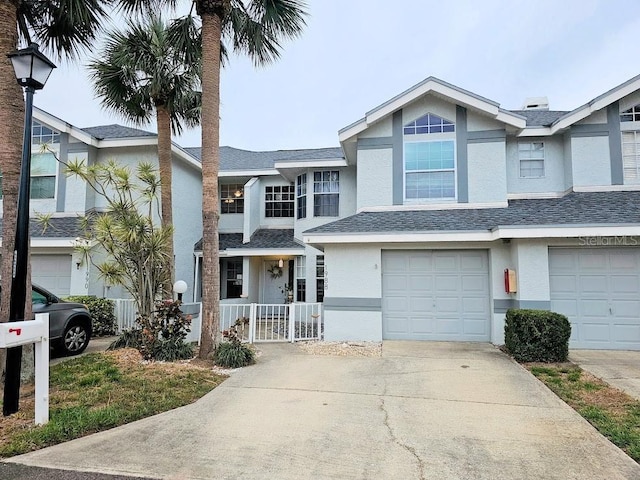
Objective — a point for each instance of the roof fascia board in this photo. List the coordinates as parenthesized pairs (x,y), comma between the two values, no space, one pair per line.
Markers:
(434,206)
(260,252)
(597,103)
(127,142)
(248,173)
(64,127)
(502,232)
(329,162)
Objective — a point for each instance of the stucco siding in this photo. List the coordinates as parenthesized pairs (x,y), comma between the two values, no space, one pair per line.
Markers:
(251,219)
(531,261)
(487,177)
(428,104)
(374,177)
(567,162)
(477,122)
(590,161)
(270,222)
(597,117)
(554,167)
(379,129)
(76,190)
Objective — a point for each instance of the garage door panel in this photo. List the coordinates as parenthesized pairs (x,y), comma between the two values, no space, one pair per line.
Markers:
(604,310)
(590,284)
(447,296)
(563,284)
(395,303)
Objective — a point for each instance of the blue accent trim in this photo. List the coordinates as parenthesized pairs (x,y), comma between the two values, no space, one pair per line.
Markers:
(462,160)
(615,144)
(61,177)
(398,159)
(375,143)
(590,130)
(502,305)
(486,136)
(352,304)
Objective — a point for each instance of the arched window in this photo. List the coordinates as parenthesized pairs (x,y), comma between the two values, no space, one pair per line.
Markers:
(429,123)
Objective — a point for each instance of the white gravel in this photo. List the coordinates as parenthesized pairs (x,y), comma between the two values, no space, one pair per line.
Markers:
(342,349)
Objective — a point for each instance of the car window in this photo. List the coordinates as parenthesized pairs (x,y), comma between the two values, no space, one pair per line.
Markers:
(37,298)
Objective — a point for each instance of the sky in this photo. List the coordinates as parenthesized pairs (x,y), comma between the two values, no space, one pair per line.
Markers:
(356,54)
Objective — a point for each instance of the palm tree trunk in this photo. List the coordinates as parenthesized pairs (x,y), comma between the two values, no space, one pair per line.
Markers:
(211,35)
(163,120)
(11,122)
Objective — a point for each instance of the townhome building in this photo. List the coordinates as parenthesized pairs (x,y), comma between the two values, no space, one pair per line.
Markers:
(466,209)
(438,211)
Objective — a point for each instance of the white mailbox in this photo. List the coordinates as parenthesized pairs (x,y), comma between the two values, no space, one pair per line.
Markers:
(14,334)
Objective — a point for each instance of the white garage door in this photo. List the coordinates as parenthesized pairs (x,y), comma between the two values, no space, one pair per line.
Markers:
(599,290)
(435,295)
(52,272)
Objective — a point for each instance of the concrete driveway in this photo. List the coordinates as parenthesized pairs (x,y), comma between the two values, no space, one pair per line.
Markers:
(620,369)
(422,411)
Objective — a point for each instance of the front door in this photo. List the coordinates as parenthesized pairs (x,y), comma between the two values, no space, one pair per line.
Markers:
(274,282)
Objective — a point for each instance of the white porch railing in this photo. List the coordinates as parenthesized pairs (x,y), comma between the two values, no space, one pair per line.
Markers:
(263,322)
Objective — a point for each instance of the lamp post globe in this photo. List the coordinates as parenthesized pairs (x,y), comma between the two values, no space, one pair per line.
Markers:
(180,287)
(32,70)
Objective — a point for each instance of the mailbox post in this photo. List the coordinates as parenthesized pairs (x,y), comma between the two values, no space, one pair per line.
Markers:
(16,334)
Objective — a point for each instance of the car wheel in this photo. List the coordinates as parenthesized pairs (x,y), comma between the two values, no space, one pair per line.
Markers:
(75,338)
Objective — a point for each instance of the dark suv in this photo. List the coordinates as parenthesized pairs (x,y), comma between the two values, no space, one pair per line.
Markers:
(69,323)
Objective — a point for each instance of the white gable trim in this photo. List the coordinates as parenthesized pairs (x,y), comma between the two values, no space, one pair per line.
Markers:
(432,84)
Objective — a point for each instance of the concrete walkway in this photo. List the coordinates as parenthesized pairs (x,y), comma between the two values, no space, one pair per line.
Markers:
(620,369)
(422,411)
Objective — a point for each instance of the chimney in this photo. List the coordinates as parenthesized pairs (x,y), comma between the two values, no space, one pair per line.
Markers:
(536,103)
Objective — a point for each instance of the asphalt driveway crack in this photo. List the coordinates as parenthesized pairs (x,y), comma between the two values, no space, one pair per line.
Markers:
(394,439)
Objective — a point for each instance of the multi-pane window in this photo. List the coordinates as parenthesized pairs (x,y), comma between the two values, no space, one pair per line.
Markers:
(429,170)
(44,167)
(631,115)
(429,123)
(301,282)
(279,201)
(531,157)
(631,156)
(301,195)
(326,193)
(232,198)
(41,134)
(319,278)
(234,278)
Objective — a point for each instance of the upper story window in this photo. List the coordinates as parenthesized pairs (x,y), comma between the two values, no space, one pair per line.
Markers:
(44,167)
(232,198)
(279,201)
(631,156)
(430,170)
(326,193)
(301,195)
(429,123)
(41,134)
(531,158)
(631,115)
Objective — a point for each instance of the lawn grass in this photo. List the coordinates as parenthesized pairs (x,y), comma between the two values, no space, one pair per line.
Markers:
(101,391)
(614,413)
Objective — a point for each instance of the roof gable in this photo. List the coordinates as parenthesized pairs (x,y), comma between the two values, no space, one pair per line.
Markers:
(433,85)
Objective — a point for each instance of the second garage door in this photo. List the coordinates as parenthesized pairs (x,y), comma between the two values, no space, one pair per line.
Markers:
(435,295)
(599,290)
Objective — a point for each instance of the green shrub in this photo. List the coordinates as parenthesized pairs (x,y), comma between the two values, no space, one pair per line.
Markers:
(233,355)
(101,310)
(537,335)
(160,336)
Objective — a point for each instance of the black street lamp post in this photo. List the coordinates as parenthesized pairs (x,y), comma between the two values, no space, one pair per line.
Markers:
(32,70)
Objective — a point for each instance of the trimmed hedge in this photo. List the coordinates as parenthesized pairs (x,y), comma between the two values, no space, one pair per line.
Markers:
(101,310)
(537,335)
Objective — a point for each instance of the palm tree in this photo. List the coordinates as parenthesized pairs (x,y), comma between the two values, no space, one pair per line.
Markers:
(153,67)
(255,28)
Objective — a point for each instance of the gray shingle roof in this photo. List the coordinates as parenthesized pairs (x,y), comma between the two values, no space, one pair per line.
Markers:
(116,131)
(540,118)
(605,208)
(237,159)
(58,227)
(264,238)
